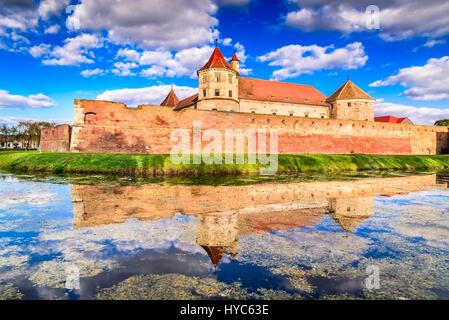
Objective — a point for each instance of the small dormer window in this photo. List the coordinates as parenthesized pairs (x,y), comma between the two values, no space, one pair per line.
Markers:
(204,93)
(217,92)
(230,93)
(217,77)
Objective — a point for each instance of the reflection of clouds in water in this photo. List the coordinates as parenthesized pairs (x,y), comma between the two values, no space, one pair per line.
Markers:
(422,215)
(14,191)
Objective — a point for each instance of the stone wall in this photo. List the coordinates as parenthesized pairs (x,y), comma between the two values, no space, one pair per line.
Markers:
(56,139)
(109,127)
(284,108)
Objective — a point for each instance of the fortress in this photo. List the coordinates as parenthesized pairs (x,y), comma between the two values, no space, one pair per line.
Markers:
(306,120)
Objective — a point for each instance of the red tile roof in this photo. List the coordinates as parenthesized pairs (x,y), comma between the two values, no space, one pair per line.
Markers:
(390,119)
(216,60)
(171,100)
(257,89)
(234,58)
(186,102)
(215,253)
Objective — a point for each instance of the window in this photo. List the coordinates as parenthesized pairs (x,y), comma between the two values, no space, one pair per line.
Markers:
(204,93)
(252,111)
(217,77)
(217,92)
(230,93)
(322,117)
(273,113)
(291,114)
(349,104)
(230,78)
(90,117)
(204,78)
(306,115)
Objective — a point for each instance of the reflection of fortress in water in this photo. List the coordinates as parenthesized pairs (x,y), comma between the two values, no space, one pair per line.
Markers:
(226,212)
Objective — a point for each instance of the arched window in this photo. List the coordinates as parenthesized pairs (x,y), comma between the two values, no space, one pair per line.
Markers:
(90,117)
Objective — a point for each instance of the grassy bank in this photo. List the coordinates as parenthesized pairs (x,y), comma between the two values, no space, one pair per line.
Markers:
(154,165)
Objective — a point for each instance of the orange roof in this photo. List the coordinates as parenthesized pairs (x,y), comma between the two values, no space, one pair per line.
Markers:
(389,119)
(186,102)
(171,100)
(257,89)
(216,60)
(234,58)
(349,91)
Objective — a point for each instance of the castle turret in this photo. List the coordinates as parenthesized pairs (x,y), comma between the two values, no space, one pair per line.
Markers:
(350,102)
(218,84)
(235,62)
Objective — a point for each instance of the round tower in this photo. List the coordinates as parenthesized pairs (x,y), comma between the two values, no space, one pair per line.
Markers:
(218,83)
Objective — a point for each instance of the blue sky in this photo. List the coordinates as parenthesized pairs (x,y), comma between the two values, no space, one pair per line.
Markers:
(53,51)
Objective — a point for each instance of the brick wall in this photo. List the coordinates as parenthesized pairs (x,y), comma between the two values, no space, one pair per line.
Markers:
(56,139)
(101,126)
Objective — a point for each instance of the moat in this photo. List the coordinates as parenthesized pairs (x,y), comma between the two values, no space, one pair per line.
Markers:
(302,237)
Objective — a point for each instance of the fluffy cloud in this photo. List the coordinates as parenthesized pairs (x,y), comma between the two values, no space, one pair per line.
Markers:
(398,19)
(52,29)
(124,69)
(75,51)
(296,59)
(49,8)
(92,73)
(151,24)
(426,83)
(39,100)
(182,63)
(150,95)
(424,116)
(16,17)
(40,50)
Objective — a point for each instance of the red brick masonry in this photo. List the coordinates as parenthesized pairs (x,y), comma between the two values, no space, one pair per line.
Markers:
(56,139)
(110,127)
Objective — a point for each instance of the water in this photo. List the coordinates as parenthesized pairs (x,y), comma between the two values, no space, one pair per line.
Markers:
(230,238)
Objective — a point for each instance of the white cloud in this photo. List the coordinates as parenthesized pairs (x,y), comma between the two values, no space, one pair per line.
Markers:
(151,24)
(398,19)
(40,50)
(182,63)
(32,101)
(424,116)
(124,69)
(233,2)
(426,83)
(92,72)
(49,8)
(128,55)
(54,29)
(296,59)
(151,95)
(75,51)
(226,41)
(431,43)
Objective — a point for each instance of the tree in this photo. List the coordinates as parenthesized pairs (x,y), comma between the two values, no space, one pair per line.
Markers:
(30,131)
(443,122)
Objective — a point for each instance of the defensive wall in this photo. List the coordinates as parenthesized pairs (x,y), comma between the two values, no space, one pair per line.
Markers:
(111,127)
(56,139)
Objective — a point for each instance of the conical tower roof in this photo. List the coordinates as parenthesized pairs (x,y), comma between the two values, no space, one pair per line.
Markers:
(215,253)
(216,60)
(234,58)
(171,100)
(349,91)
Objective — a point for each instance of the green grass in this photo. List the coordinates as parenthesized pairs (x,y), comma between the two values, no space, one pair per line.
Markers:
(157,165)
